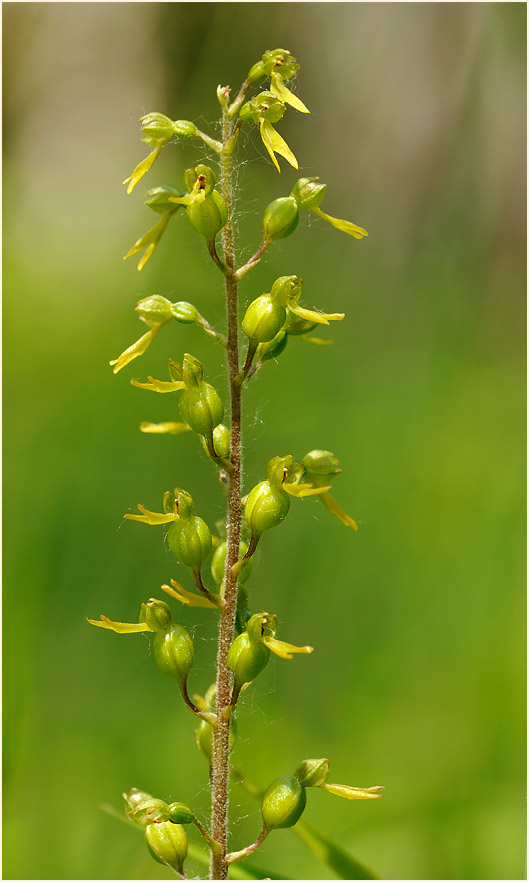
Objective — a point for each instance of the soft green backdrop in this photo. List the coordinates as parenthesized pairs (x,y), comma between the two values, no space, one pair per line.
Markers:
(417,681)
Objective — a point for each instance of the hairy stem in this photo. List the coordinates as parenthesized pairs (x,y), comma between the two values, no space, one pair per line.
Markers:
(220,768)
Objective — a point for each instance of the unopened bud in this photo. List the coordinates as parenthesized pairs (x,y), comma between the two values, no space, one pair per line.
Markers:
(280,218)
(308,194)
(264,318)
(256,73)
(183,128)
(312,772)
(157,129)
(157,199)
(156,614)
(167,843)
(221,441)
(174,652)
(184,312)
(156,309)
(179,813)
(218,562)
(283,802)
(322,464)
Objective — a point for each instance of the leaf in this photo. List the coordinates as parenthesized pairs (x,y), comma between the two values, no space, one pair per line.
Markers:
(345,866)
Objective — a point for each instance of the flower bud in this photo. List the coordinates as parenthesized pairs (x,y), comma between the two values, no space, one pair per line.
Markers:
(256,73)
(208,217)
(221,441)
(266,506)
(157,199)
(273,349)
(280,61)
(202,408)
(157,129)
(223,95)
(155,309)
(246,658)
(179,813)
(285,289)
(183,128)
(322,464)
(283,802)
(167,843)
(174,652)
(312,772)
(184,312)
(218,563)
(156,614)
(263,106)
(280,218)
(264,318)
(307,193)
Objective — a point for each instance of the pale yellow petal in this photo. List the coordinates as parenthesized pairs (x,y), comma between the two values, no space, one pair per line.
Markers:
(118,627)
(274,143)
(301,490)
(352,792)
(189,598)
(161,386)
(137,348)
(141,169)
(153,518)
(343,225)
(285,650)
(331,504)
(278,88)
(312,315)
(164,428)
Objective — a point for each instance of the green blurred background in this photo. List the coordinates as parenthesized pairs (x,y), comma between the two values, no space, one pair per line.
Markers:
(418,128)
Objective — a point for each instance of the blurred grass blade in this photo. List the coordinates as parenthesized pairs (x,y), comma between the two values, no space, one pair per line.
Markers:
(331,854)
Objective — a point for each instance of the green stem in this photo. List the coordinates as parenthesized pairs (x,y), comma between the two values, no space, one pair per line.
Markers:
(220,767)
(244,852)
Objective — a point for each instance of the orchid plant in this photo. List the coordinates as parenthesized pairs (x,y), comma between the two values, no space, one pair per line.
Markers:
(246,637)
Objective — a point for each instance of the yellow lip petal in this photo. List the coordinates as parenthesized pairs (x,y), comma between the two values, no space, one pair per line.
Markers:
(285,650)
(322,318)
(153,518)
(353,792)
(274,143)
(332,506)
(189,598)
(118,627)
(137,349)
(301,490)
(164,428)
(161,386)
(141,169)
(343,225)
(278,88)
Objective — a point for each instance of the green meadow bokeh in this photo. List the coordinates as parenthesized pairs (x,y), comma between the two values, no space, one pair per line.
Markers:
(417,682)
